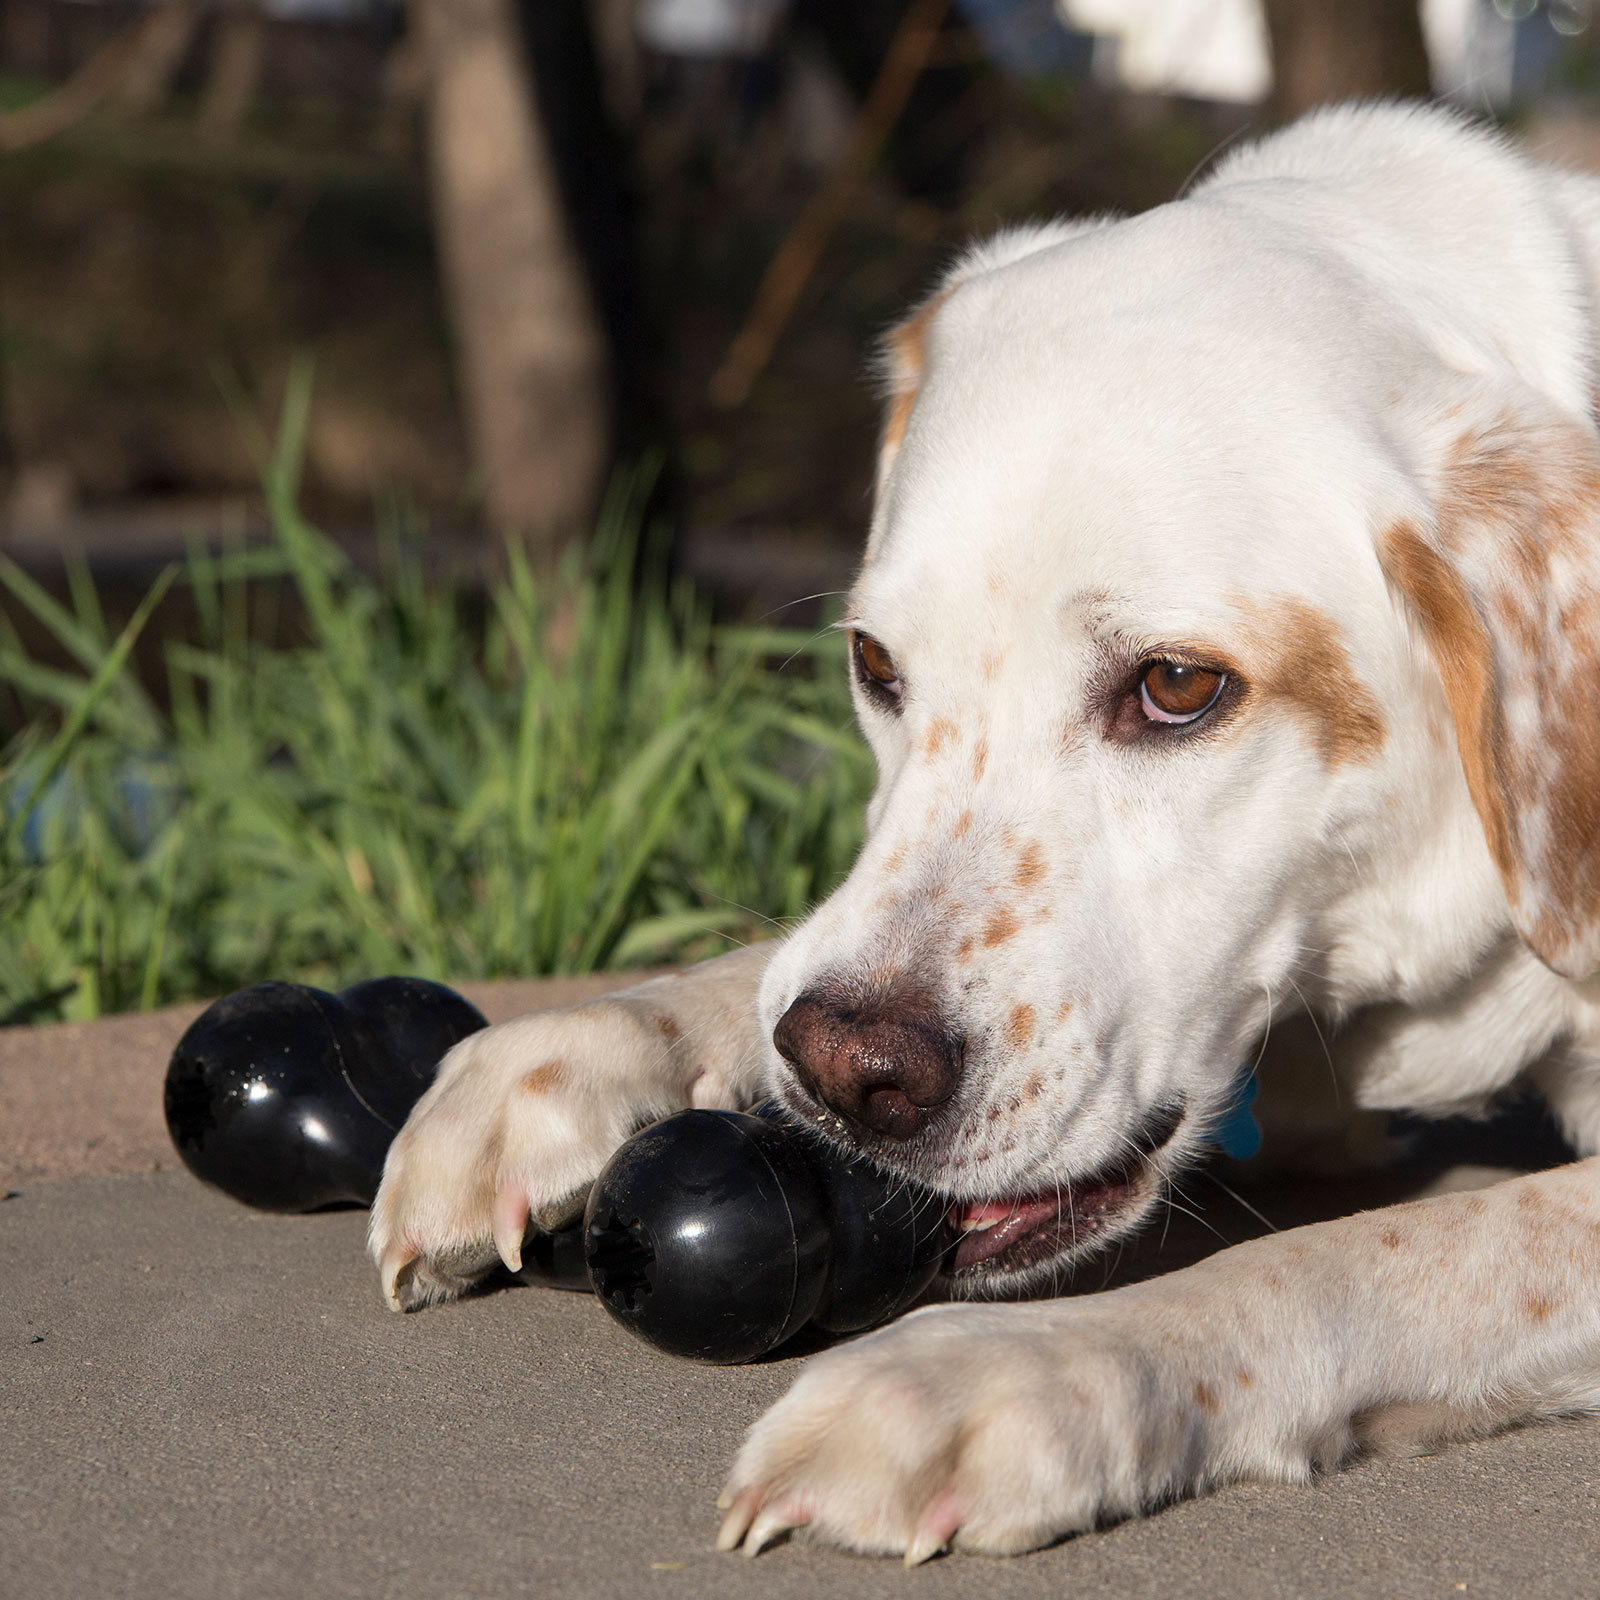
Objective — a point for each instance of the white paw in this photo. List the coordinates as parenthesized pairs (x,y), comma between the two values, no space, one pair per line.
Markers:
(994,1429)
(518,1123)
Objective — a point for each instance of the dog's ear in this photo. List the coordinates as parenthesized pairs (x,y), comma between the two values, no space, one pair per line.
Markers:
(1506,588)
(902,360)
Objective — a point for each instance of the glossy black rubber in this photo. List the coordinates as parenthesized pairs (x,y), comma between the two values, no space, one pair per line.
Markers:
(287,1097)
(719,1235)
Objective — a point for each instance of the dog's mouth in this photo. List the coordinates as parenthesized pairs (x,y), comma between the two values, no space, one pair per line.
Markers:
(1010,1235)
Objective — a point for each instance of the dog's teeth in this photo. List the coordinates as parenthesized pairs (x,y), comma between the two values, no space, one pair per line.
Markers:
(978,1224)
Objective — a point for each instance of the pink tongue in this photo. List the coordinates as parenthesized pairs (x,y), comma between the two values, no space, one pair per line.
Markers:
(987,1210)
(1011,1218)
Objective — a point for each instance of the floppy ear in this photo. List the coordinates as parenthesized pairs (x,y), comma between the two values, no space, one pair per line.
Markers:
(1506,588)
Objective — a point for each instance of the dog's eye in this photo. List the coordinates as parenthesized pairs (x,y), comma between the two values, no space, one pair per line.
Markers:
(875,669)
(1171,691)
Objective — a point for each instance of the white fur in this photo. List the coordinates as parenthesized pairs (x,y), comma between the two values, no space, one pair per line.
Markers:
(1129,435)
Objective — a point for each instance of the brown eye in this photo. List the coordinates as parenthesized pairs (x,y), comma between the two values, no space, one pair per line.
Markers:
(876,669)
(1171,691)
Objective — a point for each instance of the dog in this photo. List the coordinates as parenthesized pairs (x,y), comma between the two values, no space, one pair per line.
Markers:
(1227,638)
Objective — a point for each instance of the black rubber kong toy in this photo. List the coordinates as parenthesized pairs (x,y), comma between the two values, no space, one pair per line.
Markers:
(719,1235)
(288,1097)
(712,1234)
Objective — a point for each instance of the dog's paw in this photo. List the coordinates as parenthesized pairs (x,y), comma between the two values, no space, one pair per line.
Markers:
(993,1429)
(516,1126)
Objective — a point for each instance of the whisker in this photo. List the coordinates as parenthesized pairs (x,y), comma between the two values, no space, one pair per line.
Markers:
(1239,1199)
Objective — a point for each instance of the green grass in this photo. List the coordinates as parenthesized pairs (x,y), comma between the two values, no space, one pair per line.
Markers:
(588,775)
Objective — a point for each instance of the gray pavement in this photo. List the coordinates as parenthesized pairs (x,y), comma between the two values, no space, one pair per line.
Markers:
(199,1400)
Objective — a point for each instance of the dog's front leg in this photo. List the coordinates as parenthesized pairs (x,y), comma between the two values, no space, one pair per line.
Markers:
(1001,1428)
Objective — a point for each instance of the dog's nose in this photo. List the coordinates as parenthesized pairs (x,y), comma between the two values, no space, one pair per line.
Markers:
(887,1066)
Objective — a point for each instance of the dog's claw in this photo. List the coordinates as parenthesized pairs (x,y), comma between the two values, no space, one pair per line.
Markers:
(395,1261)
(936,1527)
(510,1224)
(769,1527)
(741,1510)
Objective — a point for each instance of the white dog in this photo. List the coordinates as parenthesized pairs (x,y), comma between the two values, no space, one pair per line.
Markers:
(1229,640)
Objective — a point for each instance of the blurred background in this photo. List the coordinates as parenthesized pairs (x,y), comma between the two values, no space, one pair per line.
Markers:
(526,241)
(331,332)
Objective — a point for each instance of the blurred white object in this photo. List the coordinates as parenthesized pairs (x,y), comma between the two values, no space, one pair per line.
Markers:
(1472,49)
(709,27)
(1211,49)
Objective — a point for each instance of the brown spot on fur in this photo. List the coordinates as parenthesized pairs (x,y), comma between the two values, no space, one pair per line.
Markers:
(1461,648)
(908,354)
(1019,1026)
(964,949)
(980,759)
(668,1026)
(1297,658)
(1244,1378)
(1206,1398)
(962,824)
(907,350)
(1033,1088)
(1391,1238)
(1001,925)
(1063,1011)
(940,732)
(1538,1307)
(991,665)
(544,1078)
(1030,867)
(896,860)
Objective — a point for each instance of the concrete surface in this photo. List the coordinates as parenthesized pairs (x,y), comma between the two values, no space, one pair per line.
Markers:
(199,1400)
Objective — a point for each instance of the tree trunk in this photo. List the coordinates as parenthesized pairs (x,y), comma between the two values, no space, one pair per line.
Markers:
(1326,50)
(168,31)
(239,32)
(530,351)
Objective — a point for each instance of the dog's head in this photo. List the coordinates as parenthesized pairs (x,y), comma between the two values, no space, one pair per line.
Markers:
(1220,648)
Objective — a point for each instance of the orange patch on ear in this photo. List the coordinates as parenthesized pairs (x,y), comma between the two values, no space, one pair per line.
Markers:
(1506,588)
(906,347)
(1466,664)
(544,1078)
(1297,659)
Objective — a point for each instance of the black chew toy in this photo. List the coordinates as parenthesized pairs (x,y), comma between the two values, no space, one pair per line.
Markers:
(719,1235)
(288,1097)
(712,1234)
